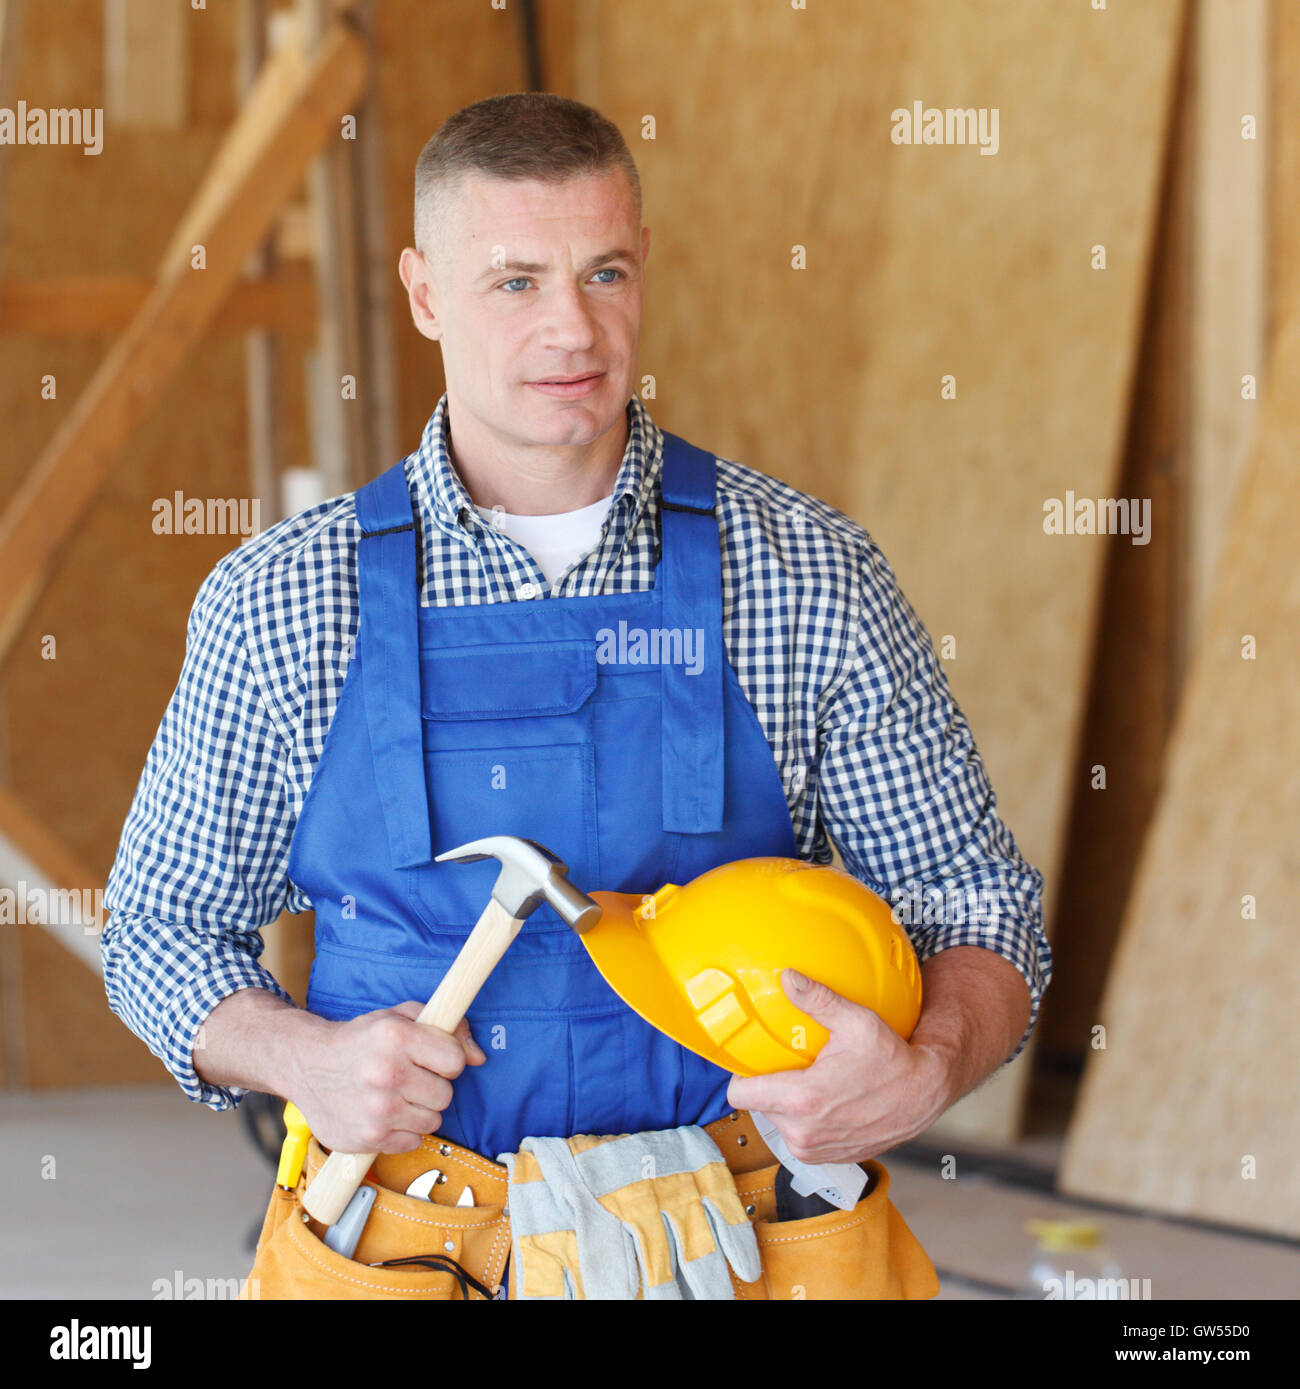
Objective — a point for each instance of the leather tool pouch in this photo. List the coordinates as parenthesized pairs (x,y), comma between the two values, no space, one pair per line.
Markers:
(865,1253)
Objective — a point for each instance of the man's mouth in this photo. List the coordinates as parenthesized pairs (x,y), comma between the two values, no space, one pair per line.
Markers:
(567,386)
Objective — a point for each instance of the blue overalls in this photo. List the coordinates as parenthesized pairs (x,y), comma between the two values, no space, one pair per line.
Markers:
(556,720)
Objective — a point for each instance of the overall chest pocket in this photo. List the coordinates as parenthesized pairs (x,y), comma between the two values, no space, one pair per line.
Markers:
(508,748)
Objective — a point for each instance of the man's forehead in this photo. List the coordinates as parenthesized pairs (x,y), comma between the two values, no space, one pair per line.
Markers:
(482,198)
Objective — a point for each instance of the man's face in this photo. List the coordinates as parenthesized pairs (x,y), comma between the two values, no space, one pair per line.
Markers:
(535,282)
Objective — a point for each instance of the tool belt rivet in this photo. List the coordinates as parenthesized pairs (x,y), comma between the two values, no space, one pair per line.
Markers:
(741,1141)
(443,1150)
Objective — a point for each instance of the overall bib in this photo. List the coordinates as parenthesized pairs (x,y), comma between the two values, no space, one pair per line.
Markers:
(546,720)
(579,723)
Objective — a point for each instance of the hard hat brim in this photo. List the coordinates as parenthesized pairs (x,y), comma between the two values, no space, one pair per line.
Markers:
(633,969)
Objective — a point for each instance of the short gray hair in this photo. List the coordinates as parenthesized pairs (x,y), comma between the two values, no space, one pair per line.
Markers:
(520,135)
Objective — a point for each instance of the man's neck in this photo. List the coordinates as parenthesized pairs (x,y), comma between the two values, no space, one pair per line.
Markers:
(540,480)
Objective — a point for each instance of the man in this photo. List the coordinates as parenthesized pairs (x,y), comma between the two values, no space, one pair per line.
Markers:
(535,513)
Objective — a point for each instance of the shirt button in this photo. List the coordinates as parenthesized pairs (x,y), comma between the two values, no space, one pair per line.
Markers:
(528,591)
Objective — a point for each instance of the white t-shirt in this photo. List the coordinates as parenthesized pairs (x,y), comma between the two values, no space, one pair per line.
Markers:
(555,542)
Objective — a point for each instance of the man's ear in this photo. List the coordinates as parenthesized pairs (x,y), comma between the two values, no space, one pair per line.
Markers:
(417,280)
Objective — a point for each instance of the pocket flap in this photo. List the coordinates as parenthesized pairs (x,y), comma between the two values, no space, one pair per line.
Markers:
(506,681)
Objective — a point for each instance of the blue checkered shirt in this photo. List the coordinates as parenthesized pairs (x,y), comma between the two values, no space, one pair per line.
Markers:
(874,753)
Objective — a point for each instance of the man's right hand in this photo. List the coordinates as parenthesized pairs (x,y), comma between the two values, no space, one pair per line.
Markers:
(380,1082)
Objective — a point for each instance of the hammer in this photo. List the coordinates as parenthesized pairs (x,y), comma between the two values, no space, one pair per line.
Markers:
(530,875)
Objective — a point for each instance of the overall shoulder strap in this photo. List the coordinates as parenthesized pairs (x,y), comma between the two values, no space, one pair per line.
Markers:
(693,697)
(389,647)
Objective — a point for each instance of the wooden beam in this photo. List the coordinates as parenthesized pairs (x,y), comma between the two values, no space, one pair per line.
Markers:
(290,116)
(11,34)
(68,1034)
(31,854)
(378,394)
(84,306)
(13,1065)
(146,63)
(295,234)
(261,350)
(339,427)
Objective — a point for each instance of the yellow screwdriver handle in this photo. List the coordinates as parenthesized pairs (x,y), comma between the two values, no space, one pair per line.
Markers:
(293,1152)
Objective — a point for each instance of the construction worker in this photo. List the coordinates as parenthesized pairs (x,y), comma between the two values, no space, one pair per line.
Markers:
(459,649)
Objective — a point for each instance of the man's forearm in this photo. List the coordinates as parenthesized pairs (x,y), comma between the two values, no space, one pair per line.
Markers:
(254,1040)
(974,1010)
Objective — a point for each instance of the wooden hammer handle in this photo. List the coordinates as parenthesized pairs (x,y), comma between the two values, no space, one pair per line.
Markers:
(341,1173)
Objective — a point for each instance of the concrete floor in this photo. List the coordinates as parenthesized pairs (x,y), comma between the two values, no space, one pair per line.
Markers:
(147,1187)
(149,1190)
(973,1228)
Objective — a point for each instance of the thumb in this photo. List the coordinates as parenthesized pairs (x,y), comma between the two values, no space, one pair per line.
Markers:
(465,1037)
(817,1000)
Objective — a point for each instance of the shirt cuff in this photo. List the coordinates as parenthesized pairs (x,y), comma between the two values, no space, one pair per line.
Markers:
(1021,943)
(193,1008)
(163,980)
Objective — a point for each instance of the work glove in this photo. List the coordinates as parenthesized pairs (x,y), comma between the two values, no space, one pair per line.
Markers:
(652,1215)
(544,1244)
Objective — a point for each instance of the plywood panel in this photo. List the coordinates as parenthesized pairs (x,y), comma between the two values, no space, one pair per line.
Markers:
(1284,164)
(1136,668)
(772,131)
(1198,1079)
(1230,267)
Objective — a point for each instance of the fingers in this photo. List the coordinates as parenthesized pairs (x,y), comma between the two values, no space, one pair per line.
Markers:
(471,1050)
(396,1077)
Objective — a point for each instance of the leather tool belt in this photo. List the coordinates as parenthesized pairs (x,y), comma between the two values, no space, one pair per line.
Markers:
(442,1251)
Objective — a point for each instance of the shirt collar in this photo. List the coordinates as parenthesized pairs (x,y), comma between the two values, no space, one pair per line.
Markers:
(440,490)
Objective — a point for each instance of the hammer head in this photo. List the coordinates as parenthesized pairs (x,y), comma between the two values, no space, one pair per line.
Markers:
(530,875)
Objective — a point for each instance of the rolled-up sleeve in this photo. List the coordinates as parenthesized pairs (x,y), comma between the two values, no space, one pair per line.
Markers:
(905,797)
(202,862)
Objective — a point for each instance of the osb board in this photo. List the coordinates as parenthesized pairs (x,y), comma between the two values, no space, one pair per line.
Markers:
(773,131)
(1230,271)
(79,726)
(1284,163)
(1190,1108)
(1139,648)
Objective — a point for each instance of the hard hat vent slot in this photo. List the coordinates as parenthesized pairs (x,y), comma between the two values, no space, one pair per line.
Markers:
(713,995)
(707,985)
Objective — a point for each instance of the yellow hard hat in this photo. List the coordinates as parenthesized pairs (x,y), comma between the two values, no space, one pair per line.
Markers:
(703,962)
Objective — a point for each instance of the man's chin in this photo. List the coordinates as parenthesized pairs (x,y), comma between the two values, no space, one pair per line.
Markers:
(573,421)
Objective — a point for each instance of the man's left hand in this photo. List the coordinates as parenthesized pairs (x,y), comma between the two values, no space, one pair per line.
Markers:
(867,1091)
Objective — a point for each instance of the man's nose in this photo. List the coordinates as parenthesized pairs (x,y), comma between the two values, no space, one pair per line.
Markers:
(570,318)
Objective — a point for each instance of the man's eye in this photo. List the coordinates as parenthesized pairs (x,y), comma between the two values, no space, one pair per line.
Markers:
(519,281)
(610,270)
